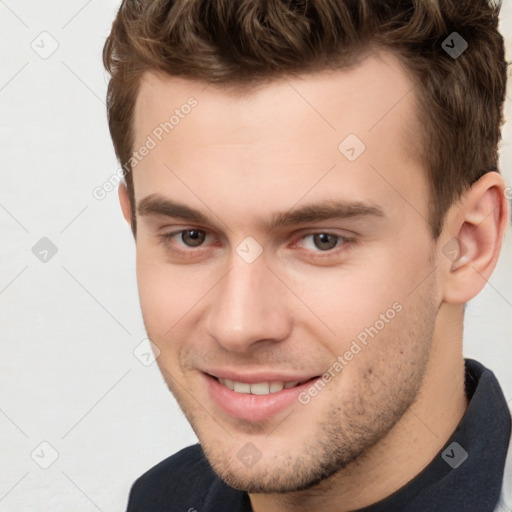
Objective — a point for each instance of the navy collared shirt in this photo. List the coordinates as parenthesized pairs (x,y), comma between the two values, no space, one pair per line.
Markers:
(467,475)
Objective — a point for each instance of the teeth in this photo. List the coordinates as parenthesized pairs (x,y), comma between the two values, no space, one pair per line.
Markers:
(276,386)
(229,384)
(261,388)
(258,388)
(242,387)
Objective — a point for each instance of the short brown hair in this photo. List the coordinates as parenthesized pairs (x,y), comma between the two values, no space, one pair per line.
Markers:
(244,43)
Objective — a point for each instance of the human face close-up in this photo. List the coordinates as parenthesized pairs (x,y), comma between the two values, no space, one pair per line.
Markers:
(271,247)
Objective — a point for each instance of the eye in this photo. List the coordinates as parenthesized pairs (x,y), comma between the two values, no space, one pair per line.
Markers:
(185,238)
(323,241)
(192,237)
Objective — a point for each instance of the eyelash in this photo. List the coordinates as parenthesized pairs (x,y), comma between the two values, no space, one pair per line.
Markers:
(344,243)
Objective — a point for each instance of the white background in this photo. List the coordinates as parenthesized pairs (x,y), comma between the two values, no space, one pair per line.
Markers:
(69,326)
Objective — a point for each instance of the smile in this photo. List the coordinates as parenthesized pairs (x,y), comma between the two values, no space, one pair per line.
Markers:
(258,388)
(258,400)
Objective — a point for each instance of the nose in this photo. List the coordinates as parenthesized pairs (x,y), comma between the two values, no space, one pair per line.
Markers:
(248,307)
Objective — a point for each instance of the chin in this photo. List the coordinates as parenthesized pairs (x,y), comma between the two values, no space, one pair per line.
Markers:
(282,473)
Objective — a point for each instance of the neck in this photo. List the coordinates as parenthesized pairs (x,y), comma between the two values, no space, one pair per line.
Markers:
(408,447)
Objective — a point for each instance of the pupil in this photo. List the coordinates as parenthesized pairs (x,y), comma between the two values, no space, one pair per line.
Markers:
(325,241)
(192,237)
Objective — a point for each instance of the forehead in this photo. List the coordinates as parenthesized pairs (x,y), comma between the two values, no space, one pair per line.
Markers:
(357,98)
(287,133)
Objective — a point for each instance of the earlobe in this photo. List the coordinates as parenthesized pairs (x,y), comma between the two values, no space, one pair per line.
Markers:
(477,227)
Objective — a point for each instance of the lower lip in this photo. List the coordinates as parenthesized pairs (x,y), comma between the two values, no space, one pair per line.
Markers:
(245,406)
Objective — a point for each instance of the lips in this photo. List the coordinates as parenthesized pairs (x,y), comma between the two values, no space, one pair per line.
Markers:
(257,397)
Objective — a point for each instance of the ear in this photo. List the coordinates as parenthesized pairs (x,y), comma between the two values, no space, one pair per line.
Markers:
(126,206)
(473,237)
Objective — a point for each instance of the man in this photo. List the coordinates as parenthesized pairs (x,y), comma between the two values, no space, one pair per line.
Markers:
(314,196)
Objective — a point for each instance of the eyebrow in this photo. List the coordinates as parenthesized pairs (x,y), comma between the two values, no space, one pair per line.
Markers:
(156,204)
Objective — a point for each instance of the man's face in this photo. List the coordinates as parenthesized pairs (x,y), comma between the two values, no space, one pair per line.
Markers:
(303,259)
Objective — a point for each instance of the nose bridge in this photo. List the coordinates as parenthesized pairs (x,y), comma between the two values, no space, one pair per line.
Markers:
(245,307)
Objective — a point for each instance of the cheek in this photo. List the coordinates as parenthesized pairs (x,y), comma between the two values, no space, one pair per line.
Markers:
(375,296)
(161,293)
(163,308)
(171,296)
(339,304)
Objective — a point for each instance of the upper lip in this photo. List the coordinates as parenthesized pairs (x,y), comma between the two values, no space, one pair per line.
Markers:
(252,377)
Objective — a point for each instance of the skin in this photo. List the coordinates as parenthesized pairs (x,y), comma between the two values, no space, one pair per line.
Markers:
(243,158)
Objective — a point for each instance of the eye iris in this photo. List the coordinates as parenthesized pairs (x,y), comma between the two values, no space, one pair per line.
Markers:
(325,241)
(192,237)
